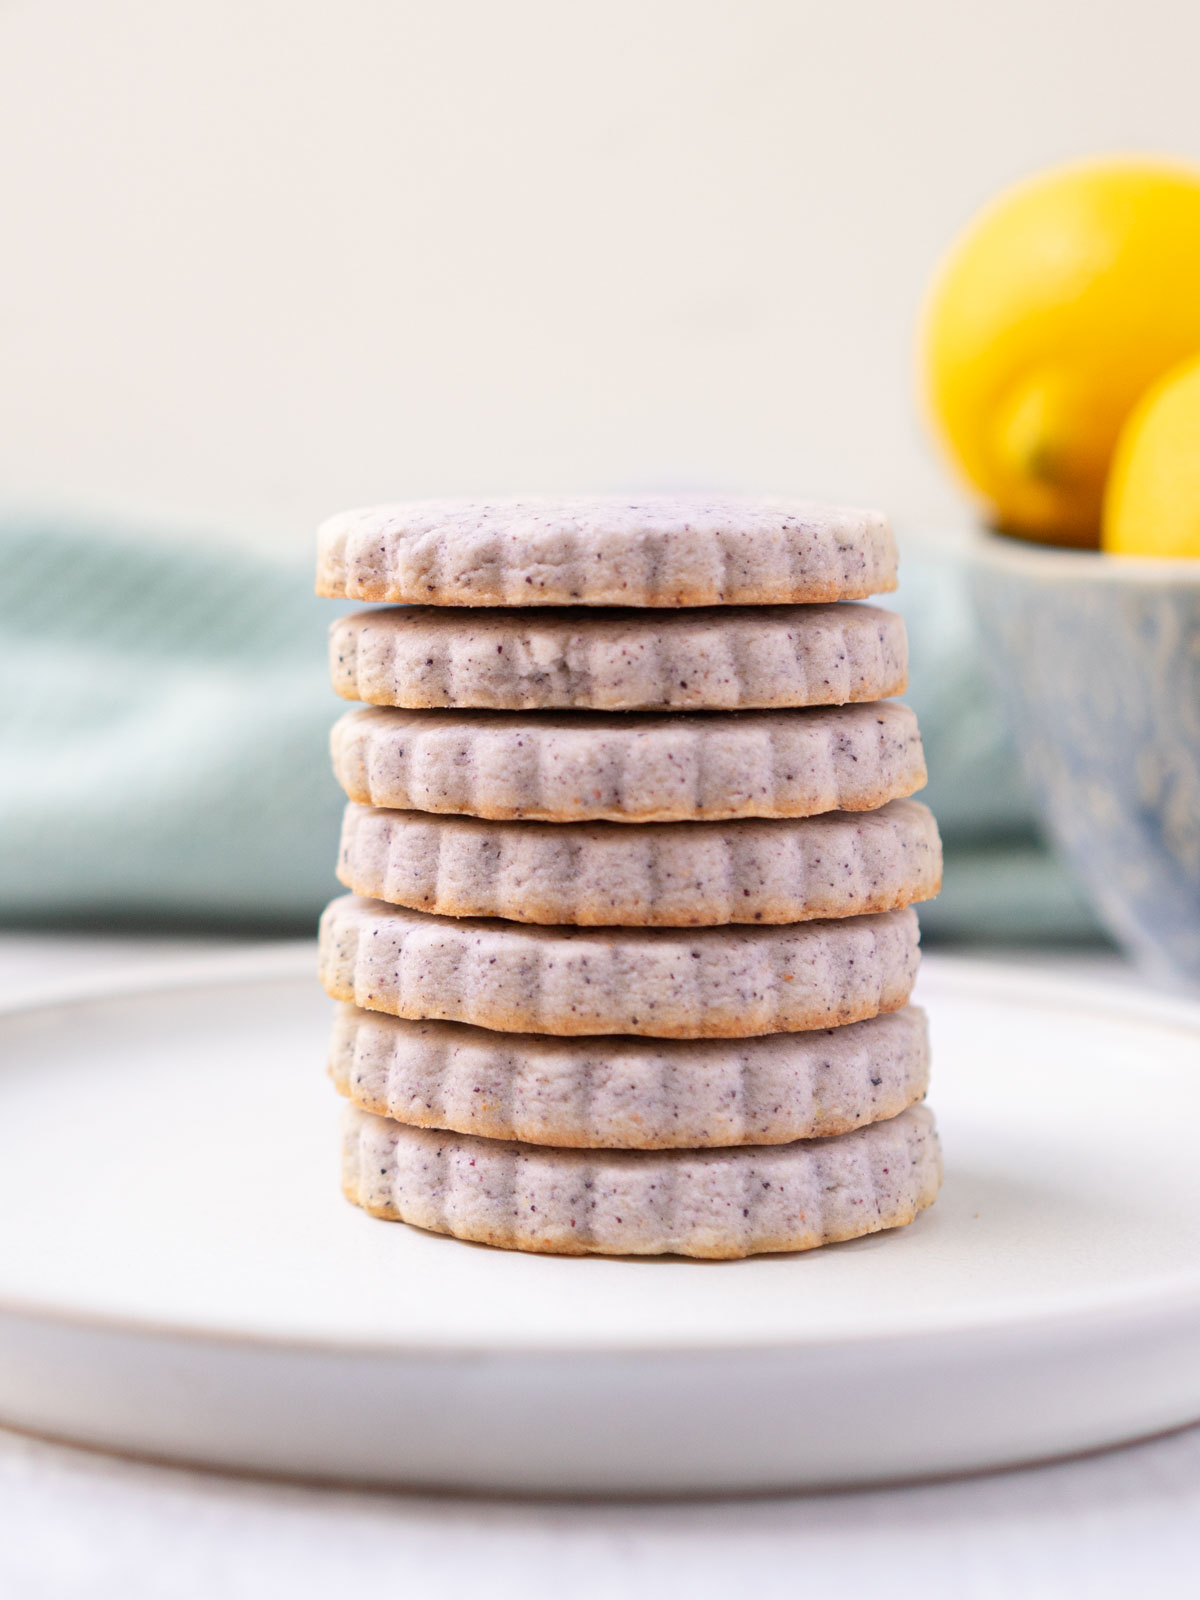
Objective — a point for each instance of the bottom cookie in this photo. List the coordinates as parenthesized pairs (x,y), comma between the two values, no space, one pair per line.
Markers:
(716,1204)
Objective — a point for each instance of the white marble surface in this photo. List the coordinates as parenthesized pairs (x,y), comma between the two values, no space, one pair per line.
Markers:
(79,1525)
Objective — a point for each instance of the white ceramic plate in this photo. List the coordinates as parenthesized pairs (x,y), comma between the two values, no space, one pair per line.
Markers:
(180,1276)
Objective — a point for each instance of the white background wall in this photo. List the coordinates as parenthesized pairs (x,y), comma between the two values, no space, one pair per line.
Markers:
(261,258)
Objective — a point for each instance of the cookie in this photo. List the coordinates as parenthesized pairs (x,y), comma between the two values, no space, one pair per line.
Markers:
(715,1204)
(662,874)
(656,550)
(639,1094)
(710,660)
(631,766)
(716,983)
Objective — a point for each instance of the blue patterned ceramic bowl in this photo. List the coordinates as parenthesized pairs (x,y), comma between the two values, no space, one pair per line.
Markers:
(1098,663)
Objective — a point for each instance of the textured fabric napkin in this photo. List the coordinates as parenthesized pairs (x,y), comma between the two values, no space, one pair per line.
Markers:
(164,722)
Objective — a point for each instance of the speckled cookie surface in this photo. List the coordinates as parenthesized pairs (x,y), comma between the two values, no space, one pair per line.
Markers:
(717,1204)
(707,660)
(640,1094)
(631,766)
(662,874)
(694,984)
(659,550)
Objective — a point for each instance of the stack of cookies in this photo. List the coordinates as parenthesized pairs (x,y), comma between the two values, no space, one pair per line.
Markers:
(626,963)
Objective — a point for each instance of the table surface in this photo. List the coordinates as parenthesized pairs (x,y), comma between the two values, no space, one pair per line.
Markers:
(78,1524)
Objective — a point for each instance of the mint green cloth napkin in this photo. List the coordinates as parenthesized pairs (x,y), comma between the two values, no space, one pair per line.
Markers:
(164,726)
(164,722)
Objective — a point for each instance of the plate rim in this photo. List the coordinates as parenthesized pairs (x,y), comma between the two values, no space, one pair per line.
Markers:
(297,958)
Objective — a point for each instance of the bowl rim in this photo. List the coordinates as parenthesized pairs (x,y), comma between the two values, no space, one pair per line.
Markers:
(1003,550)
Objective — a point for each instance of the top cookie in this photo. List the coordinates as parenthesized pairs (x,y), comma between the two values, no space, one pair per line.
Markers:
(655,550)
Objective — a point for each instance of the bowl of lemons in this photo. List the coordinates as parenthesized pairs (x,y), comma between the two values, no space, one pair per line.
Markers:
(1061,363)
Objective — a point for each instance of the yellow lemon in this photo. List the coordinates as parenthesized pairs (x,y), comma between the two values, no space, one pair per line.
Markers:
(1152,503)
(1060,304)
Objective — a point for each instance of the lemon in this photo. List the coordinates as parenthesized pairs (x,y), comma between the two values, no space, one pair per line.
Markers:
(1152,504)
(1056,309)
